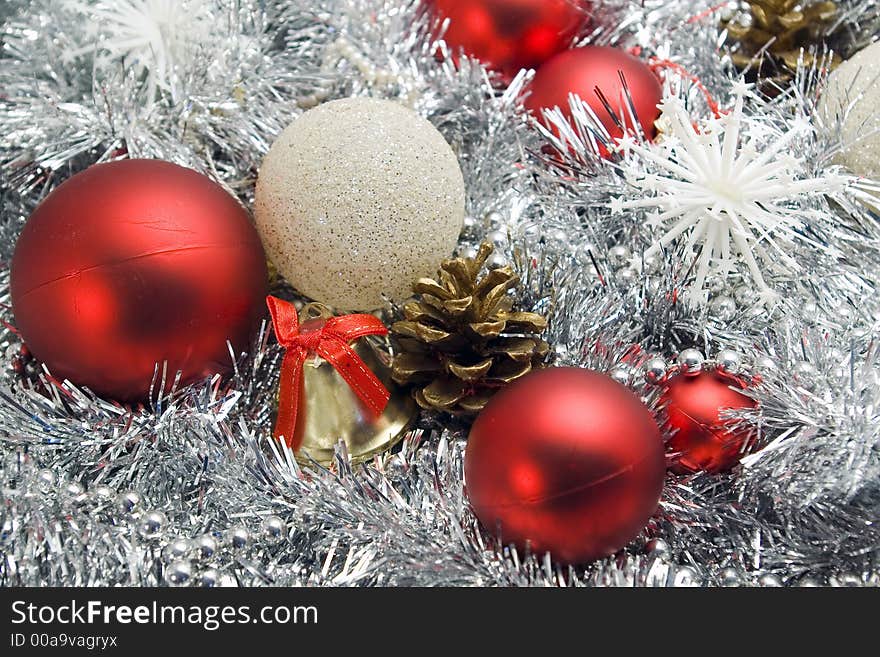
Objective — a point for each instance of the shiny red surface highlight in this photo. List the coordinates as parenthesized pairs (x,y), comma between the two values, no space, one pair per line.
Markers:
(701,439)
(132,263)
(566,460)
(509,35)
(582,70)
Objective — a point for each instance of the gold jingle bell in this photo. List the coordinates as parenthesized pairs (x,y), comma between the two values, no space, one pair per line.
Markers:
(330,411)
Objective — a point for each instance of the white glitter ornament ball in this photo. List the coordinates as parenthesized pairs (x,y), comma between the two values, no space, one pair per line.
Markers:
(358,198)
(856,82)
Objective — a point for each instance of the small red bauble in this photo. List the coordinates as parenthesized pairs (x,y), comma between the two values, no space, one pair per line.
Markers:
(132,264)
(509,35)
(567,461)
(584,70)
(702,439)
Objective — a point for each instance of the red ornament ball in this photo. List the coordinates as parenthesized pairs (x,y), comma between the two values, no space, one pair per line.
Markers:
(565,460)
(134,263)
(702,439)
(583,71)
(509,35)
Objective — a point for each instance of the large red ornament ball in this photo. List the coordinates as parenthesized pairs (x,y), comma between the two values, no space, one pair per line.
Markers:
(567,461)
(509,35)
(702,439)
(584,70)
(131,264)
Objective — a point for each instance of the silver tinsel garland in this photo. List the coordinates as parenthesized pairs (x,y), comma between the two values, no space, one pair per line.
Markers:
(192,490)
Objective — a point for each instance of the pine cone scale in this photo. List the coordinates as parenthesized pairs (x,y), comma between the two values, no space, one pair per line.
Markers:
(427,286)
(470,373)
(411,365)
(419,313)
(444,393)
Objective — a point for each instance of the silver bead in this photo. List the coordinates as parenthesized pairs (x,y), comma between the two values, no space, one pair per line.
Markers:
(494,220)
(805,375)
(804,368)
(651,264)
(205,547)
(744,19)
(497,238)
(809,582)
(178,573)
(177,550)
(685,576)
(657,546)
(470,253)
(744,295)
(274,528)
(731,577)
(655,371)
(837,357)
(239,537)
(468,226)
(209,578)
(769,580)
(690,361)
(102,494)
(847,580)
(557,236)
(75,493)
(620,374)
(723,308)
(128,502)
(46,480)
(715,284)
(765,364)
(395,468)
(384,78)
(307,102)
(626,276)
(496,261)
(584,251)
(532,235)
(73,489)
(728,361)
(619,256)
(151,524)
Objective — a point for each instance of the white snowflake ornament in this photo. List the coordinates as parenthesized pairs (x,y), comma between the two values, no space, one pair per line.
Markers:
(715,185)
(154,37)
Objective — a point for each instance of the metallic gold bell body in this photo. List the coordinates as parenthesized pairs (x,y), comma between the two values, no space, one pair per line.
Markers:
(331,411)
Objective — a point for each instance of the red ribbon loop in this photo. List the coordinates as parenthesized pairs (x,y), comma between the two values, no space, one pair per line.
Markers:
(332,343)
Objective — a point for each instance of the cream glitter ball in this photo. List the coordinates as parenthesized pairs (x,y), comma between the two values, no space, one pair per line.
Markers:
(358,198)
(856,82)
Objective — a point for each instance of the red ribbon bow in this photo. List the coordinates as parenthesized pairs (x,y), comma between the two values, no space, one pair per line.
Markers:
(332,343)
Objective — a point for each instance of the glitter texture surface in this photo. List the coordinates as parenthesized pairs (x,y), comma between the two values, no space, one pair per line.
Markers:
(357,199)
(854,92)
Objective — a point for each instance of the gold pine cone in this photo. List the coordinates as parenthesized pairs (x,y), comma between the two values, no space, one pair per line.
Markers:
(782,29)
(461,340)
